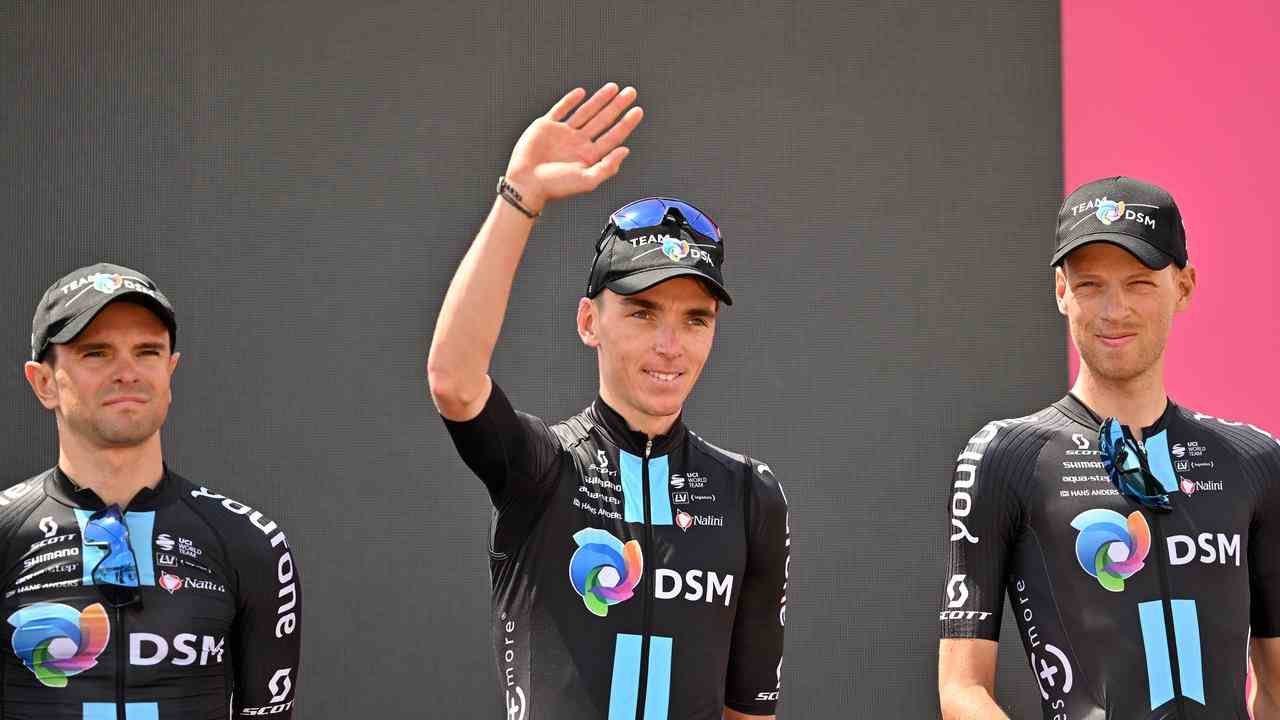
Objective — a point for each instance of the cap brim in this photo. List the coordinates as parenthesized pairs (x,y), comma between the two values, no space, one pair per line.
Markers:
(77,324)
(645,279)
(1147,254)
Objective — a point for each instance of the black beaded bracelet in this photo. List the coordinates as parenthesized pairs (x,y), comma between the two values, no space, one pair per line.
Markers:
(507,192)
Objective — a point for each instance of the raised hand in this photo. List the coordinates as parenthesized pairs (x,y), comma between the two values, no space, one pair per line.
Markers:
(563,154)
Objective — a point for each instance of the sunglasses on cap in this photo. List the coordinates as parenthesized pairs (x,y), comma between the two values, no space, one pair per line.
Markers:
(116,574)
(655,211)
(1126,465)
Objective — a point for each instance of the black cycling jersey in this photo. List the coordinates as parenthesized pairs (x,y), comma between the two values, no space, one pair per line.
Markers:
(632,579)
(1124,612)
(215,634)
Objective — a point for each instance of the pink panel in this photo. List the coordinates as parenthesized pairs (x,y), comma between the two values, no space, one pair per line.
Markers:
(1187,95)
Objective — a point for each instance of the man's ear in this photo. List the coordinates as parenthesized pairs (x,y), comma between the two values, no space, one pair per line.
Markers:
(1186,284)
(40,378)
(588,322)
(1060,289)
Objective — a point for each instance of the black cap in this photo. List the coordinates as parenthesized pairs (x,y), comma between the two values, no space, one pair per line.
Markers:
(70,304)
(1137,216)
(629,261)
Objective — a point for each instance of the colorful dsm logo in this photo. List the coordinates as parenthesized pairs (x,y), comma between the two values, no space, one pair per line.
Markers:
(1110,547)
(603,570)
(107,284)
(1110,211)
(57,641)
(675,248)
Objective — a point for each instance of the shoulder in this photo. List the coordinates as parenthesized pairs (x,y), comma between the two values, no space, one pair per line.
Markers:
(18,501)
(1015,441)
(242,529)
(1250,441)
(568,433)
(762,483)
(21,497)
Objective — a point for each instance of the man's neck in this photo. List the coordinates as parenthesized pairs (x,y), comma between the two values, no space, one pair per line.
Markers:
(115,475)
(1137,402)
(651,425)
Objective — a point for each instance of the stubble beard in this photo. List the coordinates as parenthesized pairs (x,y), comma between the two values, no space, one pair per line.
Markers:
(1126,368)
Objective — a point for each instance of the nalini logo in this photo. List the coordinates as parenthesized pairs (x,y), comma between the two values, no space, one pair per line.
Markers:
(1110,547)
(1110,211)
(170,582)
(684,520)
(603,570)
(56,641)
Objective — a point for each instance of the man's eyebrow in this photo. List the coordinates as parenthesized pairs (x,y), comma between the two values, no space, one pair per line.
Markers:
(88,345)
(640,302)
(701,313)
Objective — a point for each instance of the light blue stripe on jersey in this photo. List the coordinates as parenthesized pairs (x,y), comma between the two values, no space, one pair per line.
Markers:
(132,711)
(1186,636)
(657,695)
(142,711)
(659,495)
(624,693)
(1157,447)
(141,528)
(99,711)
(631,468)
(1156,642)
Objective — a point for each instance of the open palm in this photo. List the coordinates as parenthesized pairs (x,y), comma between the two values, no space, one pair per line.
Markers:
(563,154)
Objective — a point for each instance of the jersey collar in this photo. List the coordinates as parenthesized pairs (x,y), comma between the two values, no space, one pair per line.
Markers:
(61,488)
(615,426)
(1074,408)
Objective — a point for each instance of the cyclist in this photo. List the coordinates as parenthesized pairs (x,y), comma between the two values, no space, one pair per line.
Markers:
(128,592)
(1133,536)
(638,571)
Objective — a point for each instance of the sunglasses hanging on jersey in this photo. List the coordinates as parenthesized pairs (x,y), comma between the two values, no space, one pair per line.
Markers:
(116,574)
(1126,465)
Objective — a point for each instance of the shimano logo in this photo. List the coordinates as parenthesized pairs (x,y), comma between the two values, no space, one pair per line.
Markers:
(46,557)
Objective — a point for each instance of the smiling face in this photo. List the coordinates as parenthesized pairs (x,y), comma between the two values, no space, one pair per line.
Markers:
(652,346)
(109,386)
(1120,311)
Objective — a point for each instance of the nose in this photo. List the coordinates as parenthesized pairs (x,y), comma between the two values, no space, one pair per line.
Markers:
(666,341)
(126,370)
(1115,304)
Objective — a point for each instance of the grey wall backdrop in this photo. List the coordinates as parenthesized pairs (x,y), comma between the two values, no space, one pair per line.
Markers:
(303,177)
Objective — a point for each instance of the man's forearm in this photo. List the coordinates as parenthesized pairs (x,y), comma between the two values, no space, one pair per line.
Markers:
(971,703)
(471,317)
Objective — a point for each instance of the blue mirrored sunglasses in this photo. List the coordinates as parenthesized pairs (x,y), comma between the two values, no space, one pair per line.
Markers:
(1126,465)
(651,212)
(116,574)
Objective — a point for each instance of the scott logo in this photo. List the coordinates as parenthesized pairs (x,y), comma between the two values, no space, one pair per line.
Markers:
(280,685)
(48,527)
(957,592)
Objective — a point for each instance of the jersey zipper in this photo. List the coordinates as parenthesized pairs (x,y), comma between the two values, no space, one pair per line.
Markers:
(1166,604)
(650,588)
(121,663)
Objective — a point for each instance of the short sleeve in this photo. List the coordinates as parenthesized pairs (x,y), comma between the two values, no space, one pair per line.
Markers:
(983,513)
(754,677)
